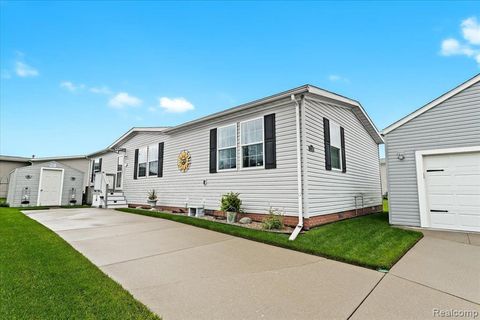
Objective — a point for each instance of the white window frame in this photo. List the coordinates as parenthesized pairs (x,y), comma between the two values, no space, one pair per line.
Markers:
(339,147)
(151,160)
(236,148)
(146,161)
(242,145)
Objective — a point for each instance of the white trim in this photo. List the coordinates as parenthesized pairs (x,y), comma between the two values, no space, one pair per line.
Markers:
(40,184)
(236,148)
(249,144)
(432,104)
(155,159)
(122,172)
(422,197)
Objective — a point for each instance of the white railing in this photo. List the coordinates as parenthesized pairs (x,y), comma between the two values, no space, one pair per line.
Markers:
(100,190)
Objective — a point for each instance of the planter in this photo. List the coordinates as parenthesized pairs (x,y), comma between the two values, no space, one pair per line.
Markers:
(152,203)
(231,217)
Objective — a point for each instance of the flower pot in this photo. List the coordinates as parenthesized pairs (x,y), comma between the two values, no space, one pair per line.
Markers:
(231,216)
(152,203)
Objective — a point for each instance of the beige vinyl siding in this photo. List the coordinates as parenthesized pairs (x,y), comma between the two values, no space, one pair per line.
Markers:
(259,188)
(453,123)
(79,164)
(6,167)
(334,191)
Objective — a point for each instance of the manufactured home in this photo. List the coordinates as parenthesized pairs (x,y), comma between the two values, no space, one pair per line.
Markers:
(433,162)
(45,184)
(308,153)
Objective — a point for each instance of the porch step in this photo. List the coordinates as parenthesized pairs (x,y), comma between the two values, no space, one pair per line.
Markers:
(114,206)
(116,199)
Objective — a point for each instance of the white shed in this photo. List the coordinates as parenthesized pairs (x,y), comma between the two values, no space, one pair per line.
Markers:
(45,184)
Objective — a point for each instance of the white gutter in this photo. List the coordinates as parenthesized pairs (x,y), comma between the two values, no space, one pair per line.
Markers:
(299,226)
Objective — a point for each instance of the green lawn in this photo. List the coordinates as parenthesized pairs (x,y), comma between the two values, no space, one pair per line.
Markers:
(367,241)
(43,277)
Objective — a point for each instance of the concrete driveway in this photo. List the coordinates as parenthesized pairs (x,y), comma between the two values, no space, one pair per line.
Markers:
(183,272)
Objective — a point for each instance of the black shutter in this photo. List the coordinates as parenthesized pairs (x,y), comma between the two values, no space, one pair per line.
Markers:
(326,140)
(135,164)
(342,141)
(100,165)
(160,159)
(93,171)
(213,150)
(270,141)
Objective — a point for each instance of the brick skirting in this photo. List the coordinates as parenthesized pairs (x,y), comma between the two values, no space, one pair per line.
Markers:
(287,220)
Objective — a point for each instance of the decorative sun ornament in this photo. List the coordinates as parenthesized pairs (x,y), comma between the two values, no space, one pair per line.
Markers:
(184,160)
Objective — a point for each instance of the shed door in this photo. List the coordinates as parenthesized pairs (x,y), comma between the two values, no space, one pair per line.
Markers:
(50,187)
(452,185)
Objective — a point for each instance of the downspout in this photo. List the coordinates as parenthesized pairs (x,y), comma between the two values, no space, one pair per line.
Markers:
(299,226)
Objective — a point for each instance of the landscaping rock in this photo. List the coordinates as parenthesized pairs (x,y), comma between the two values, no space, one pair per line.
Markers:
(245,220)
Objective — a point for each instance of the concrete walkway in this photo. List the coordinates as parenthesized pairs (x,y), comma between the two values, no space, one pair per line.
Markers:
(184,272)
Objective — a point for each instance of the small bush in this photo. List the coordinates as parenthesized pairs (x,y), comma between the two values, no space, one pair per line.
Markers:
(274,220)
(231,202)
(4,204)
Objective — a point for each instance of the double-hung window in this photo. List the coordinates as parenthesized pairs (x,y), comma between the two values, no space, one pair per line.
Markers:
(153,160)
(227,147)
(335,146)
(96,165)
(251,139)
(142,162)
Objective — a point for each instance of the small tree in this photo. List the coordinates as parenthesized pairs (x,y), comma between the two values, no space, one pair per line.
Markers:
(231,202)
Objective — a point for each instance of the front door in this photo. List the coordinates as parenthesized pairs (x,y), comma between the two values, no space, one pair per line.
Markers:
(119,175)
(50,193)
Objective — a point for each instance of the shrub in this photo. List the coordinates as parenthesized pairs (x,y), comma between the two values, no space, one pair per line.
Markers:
(274,220)
(231,202)
(4,204)
(152,195)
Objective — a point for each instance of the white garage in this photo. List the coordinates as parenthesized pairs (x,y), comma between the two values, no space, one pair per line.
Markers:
(449,189)
(433,162)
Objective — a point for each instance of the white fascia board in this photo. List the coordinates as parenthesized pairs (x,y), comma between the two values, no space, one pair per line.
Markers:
(432,104)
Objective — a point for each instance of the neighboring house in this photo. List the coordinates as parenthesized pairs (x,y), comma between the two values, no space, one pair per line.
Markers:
(308,153)
(45,184)
(9,163)
(383,176)
(433,162)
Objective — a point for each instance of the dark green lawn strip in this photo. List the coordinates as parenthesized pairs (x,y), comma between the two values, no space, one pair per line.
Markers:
(43,277)
(367,241)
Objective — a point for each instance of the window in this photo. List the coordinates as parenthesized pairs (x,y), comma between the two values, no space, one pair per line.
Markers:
(142,162)
(153,160)
(227,147)
(335,146)
(96,165)
(252,143)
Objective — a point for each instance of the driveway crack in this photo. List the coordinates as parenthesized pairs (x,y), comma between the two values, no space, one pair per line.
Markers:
(369,293)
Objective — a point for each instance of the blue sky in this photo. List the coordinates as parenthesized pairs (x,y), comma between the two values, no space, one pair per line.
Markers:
(77,75)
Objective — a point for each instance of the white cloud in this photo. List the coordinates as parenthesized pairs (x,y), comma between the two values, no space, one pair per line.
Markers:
(337,78)
(452,47)
(176,105)
(24,70)
(70,86)
(100,90)
(123,99)
(471,30)
(469,47)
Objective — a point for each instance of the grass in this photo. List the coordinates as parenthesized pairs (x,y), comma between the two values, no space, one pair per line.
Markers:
(367,241)
(43,277)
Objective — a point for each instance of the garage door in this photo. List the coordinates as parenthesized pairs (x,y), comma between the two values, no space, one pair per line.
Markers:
(452,192)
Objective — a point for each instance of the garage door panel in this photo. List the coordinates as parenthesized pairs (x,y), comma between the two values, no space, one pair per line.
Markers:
(452,189)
